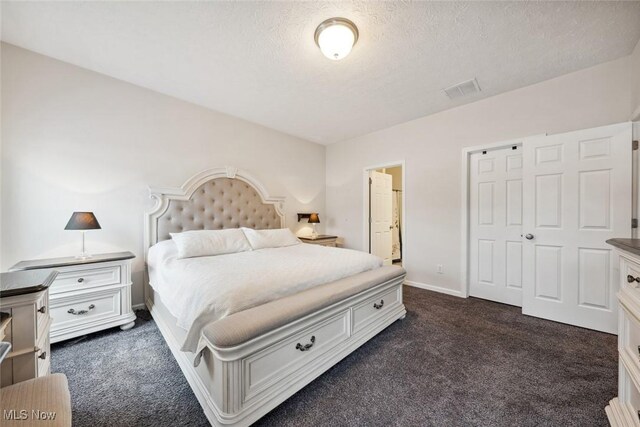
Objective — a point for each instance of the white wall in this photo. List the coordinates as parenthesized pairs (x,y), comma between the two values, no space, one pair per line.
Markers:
(74,140)
(431,147)
(77,140)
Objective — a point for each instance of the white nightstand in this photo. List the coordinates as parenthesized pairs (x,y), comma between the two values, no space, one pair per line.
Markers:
(322,239)
(88,295)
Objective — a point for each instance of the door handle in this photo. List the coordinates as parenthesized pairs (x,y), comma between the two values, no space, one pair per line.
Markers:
(529,236)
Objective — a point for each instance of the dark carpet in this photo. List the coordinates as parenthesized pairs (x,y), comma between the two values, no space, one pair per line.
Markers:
(451,362)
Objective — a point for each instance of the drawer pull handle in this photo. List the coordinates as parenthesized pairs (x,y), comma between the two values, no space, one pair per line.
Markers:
(378,306)
(80,312)
(43,355)
(42,309)
(81,279)
(632,279)
(306,347)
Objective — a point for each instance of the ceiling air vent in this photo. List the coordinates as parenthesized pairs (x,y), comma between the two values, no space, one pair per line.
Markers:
(462,89)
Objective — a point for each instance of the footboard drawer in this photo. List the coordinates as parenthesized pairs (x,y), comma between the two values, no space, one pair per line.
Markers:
(364,313)
(276,363)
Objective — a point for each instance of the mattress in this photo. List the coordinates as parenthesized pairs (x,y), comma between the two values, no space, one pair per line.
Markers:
(198,291)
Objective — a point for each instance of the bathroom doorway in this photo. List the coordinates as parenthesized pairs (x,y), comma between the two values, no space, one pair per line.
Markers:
(385,213)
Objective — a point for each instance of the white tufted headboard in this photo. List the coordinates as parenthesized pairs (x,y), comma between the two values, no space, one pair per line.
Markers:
(212,200)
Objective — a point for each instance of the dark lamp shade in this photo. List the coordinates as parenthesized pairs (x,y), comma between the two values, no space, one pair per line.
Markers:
(83,221)
(314,218)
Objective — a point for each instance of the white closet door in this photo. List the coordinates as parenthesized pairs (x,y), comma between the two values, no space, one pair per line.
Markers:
(381,215)
(495,252)
(577,194)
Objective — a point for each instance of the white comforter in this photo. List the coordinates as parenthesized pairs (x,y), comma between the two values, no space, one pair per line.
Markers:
(200,290)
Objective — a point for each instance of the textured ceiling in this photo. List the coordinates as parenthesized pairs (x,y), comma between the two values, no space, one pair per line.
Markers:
(258,60)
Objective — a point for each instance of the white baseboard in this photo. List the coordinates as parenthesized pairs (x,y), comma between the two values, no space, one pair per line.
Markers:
(434,288)
(142,306)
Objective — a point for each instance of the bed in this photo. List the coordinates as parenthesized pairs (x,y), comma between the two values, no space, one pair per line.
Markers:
(309,306)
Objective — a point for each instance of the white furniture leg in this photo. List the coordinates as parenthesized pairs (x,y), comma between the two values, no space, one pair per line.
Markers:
(127,326)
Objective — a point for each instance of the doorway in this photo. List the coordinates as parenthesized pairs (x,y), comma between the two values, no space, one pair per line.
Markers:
(536,215)
(384,212)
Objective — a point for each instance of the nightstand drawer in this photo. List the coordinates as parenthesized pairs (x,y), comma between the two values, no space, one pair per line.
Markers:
(329,244)
(81,310)
(323,240)
(85,277)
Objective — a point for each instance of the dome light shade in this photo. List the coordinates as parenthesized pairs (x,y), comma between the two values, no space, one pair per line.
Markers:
(336,37)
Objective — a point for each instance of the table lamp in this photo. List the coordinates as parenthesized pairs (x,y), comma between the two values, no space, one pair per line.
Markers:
(314,219)
(83,221)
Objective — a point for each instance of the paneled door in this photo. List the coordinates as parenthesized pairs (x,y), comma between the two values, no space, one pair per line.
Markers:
(495,225)
(577,194)
(381,215)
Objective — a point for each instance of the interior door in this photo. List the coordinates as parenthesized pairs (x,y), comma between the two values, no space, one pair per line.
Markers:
(495,225)
(381,215)
(577,194)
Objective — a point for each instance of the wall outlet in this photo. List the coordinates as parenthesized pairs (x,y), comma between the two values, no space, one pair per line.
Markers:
(440,269)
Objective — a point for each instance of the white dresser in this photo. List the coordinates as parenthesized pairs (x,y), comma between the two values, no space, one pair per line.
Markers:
(25,322)
(624,409)
(87,295)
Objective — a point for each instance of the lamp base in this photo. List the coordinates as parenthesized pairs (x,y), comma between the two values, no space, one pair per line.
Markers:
(314,233)
(84,255)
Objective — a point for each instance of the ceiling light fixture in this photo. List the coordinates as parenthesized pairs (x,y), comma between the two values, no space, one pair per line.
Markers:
(336,37)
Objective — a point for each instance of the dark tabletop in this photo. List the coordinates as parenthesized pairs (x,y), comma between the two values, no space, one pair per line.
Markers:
(629,245)
(320,237)
(25,282)
(68,261)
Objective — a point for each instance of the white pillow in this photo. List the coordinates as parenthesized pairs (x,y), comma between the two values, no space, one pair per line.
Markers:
(261,239)
(210,242)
